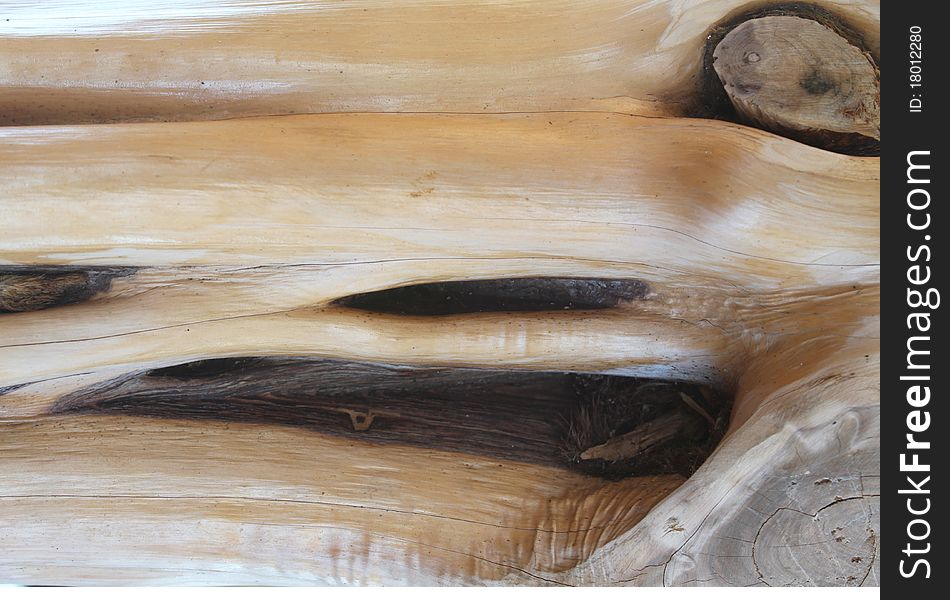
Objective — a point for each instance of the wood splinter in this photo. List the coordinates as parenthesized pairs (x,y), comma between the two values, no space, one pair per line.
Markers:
(643,437)
(799,78)
(640,439)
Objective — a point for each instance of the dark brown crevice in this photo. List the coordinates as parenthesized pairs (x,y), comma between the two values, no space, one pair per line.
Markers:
(545,418)
(499,295)
(25,289)
(715,103)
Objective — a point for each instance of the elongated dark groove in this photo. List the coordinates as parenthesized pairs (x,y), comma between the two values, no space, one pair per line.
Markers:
(500,295)
(545,418)
(715,101)
(25,289)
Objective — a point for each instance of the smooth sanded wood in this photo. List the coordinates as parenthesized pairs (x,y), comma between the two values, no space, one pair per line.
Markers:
(797,77)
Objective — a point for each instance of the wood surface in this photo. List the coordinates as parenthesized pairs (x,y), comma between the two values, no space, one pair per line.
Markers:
(344,348)
(204,59)
(801,78)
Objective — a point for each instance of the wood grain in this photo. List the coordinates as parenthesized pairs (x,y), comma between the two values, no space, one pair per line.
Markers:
(761,259)
(213,363)
(203,59)
(204,504)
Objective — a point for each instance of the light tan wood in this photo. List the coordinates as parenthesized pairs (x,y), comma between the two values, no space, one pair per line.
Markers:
(271,506)
(762,259)
(796,76)
(204,59)
(791,497)
(351,204)
(764,469)
(685,196)
(470,140)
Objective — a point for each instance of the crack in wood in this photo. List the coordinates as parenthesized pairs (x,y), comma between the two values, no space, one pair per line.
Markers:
(499,295)
(545,418)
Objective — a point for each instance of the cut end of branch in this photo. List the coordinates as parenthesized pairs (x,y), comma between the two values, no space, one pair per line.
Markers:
(798,78)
